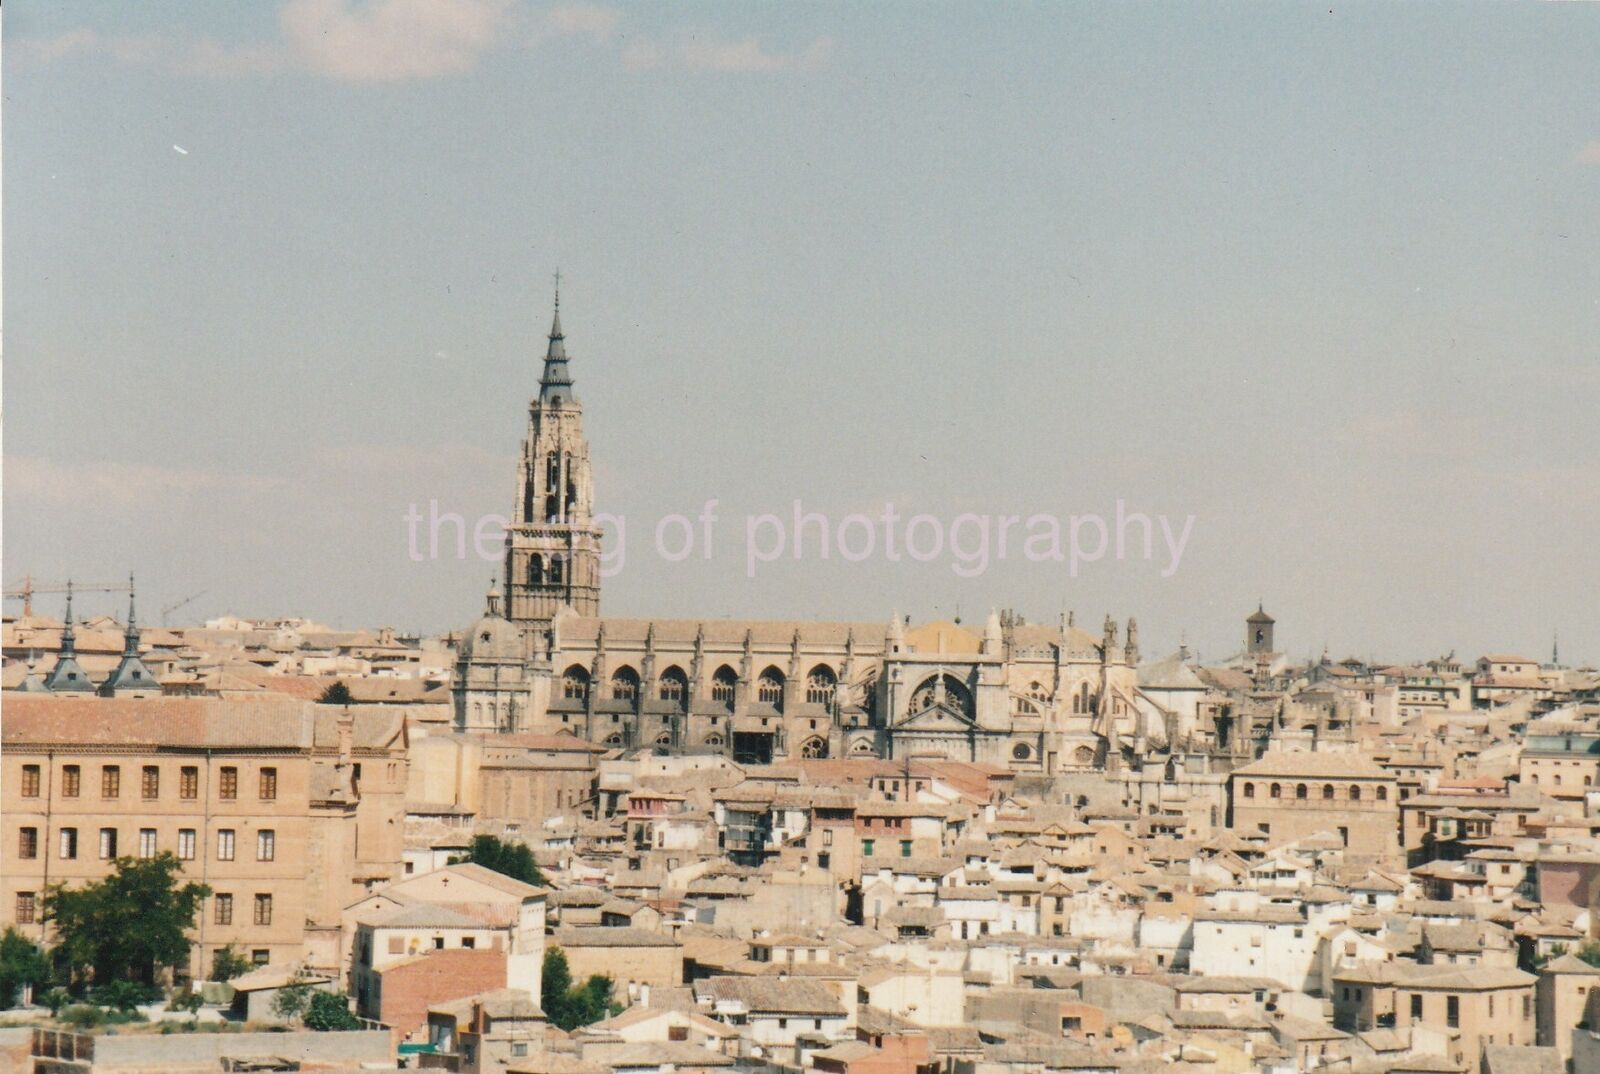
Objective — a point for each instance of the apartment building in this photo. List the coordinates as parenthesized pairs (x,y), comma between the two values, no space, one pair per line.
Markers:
(253,796)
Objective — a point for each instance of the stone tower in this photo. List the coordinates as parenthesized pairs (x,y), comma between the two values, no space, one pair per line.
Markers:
(1258,632)
(553,544)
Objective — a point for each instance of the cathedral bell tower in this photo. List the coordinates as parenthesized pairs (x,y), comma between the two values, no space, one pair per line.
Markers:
(553,544)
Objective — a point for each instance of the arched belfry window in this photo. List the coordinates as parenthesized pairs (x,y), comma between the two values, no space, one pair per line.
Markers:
(558,571)
(552,469)
(552,508)
(536,570)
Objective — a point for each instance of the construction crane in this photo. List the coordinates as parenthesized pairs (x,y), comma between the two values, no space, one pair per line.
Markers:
(169,609)
(26,590)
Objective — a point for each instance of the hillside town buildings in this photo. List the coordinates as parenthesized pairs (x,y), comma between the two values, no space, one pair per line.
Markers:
(887,847)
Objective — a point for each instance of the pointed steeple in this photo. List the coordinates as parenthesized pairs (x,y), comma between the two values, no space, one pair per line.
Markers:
(68,676)
(131,673)
(555,386)
(130,636)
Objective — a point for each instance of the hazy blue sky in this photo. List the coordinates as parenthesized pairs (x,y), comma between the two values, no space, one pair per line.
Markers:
(1328,280)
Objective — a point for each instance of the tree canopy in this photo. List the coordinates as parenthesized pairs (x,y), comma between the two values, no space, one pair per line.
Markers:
(570,1007)
(336,694)
(512,859)
(330,1012)
(128,925)
(21,963)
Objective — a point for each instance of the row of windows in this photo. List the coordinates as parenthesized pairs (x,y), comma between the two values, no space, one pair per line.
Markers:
(673,685)
(150,782)
(222,908)
(67,844)
(1302,792)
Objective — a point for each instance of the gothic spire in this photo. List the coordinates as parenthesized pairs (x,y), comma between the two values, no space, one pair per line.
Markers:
(556,383)
(130,637)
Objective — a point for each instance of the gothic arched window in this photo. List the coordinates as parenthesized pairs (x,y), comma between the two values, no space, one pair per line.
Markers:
(575,683)
(814,748)
(675,686)
(1037,691)
(536,570)
(714,741)
(558,570)
(552,471)
(820,685)
(862,748)
(552,508)
(955,693)
(625,684)
(769,688)
(614,739)
(724,685)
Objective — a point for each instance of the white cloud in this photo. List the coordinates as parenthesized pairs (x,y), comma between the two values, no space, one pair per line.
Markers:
(749,55)
(391,40)
(397,40)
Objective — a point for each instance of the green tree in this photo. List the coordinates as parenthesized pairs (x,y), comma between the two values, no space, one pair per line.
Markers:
(226,964)
(330,1012)
(128,925)
(1590,953)
(569,1007)
(293,1000)
(336,694)
(511,859)
(22,962)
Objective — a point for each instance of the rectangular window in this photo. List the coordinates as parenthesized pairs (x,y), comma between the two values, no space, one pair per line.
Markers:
(228,784)
(147,842)
(28,843)
(905,848)
(1452,1011)
(27,908)
(188,782)
(69,844)
(866,848)
(30,781)
(260,956)
(225,844)
(269,784)
(108,843)
(222,913)
(1416,1005)
(71,777)
(263,909)
(266,845)
(150,782)
(110,781)
(186,844)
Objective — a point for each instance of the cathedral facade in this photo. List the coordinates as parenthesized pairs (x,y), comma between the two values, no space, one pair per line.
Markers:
(1033,698)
